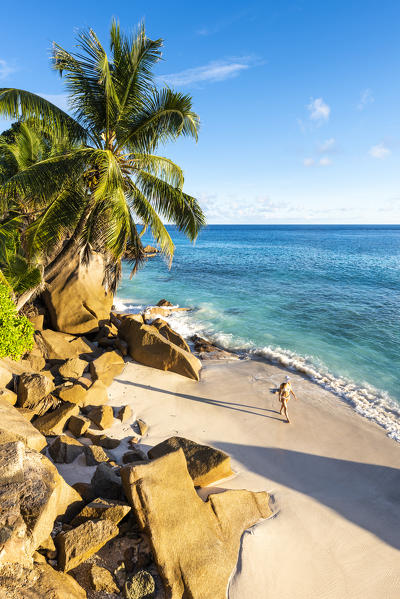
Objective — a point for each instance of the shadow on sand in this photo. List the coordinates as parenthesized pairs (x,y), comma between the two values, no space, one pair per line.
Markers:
(239,407)
(365,494)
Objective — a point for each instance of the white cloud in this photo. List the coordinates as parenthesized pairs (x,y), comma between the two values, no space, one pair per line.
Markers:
(325,161)
(379,151)
(319,110)
(231,209)
(366,98)
(216,70)
(5,69)
(329,145)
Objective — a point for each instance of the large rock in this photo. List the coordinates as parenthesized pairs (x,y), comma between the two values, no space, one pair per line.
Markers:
(41,582)
(205,464)
(106,483)
(106,367)
(95,455)
(12,462)
(96,394)
(35,359)
(149,347)
(13,427)
(101,580)
(195,543)
(78,425)
(75,394)
(102,440)
(76,299)
(77,545)
(53,423)
(32,389)
(166,331)
(102,416)
(73,368)
(8,396)
(102,509)
(61,346)
(30,504)
(6,376)
(134,455)
(65,449)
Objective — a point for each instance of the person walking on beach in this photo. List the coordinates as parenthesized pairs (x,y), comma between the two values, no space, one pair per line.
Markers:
(285,390)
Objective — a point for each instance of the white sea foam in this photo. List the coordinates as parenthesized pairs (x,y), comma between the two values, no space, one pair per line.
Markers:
(367,401)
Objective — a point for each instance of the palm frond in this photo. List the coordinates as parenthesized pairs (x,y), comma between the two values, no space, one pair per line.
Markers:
(161,167)
(55,223)
(134,57)
(21,104)
(147,214)
(165,115)
(42,180)
(172,204)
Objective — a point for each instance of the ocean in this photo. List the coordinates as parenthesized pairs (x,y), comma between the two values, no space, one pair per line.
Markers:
(321,300)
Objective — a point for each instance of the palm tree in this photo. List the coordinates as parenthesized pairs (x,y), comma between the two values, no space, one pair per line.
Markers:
(104,177)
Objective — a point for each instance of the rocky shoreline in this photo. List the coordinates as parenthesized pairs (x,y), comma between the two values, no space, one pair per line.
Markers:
(140,512)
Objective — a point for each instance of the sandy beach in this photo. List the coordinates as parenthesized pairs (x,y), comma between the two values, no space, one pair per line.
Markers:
(333,476)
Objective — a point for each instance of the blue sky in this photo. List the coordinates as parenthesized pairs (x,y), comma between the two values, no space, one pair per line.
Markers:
(299,101)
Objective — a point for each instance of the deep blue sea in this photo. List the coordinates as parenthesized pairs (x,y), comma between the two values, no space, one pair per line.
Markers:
(323,300)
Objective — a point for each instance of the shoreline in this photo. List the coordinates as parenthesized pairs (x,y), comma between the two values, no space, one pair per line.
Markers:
(366,401)
(333,476)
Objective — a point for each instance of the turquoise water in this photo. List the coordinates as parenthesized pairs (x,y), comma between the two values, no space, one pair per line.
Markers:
(324,300)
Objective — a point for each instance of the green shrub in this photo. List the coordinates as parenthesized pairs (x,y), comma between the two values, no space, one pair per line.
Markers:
(16,332)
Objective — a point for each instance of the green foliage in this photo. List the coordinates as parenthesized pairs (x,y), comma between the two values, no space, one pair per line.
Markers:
(16,331)
(15,269)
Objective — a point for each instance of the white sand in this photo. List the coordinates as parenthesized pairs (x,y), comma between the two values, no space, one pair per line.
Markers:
(334,476)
